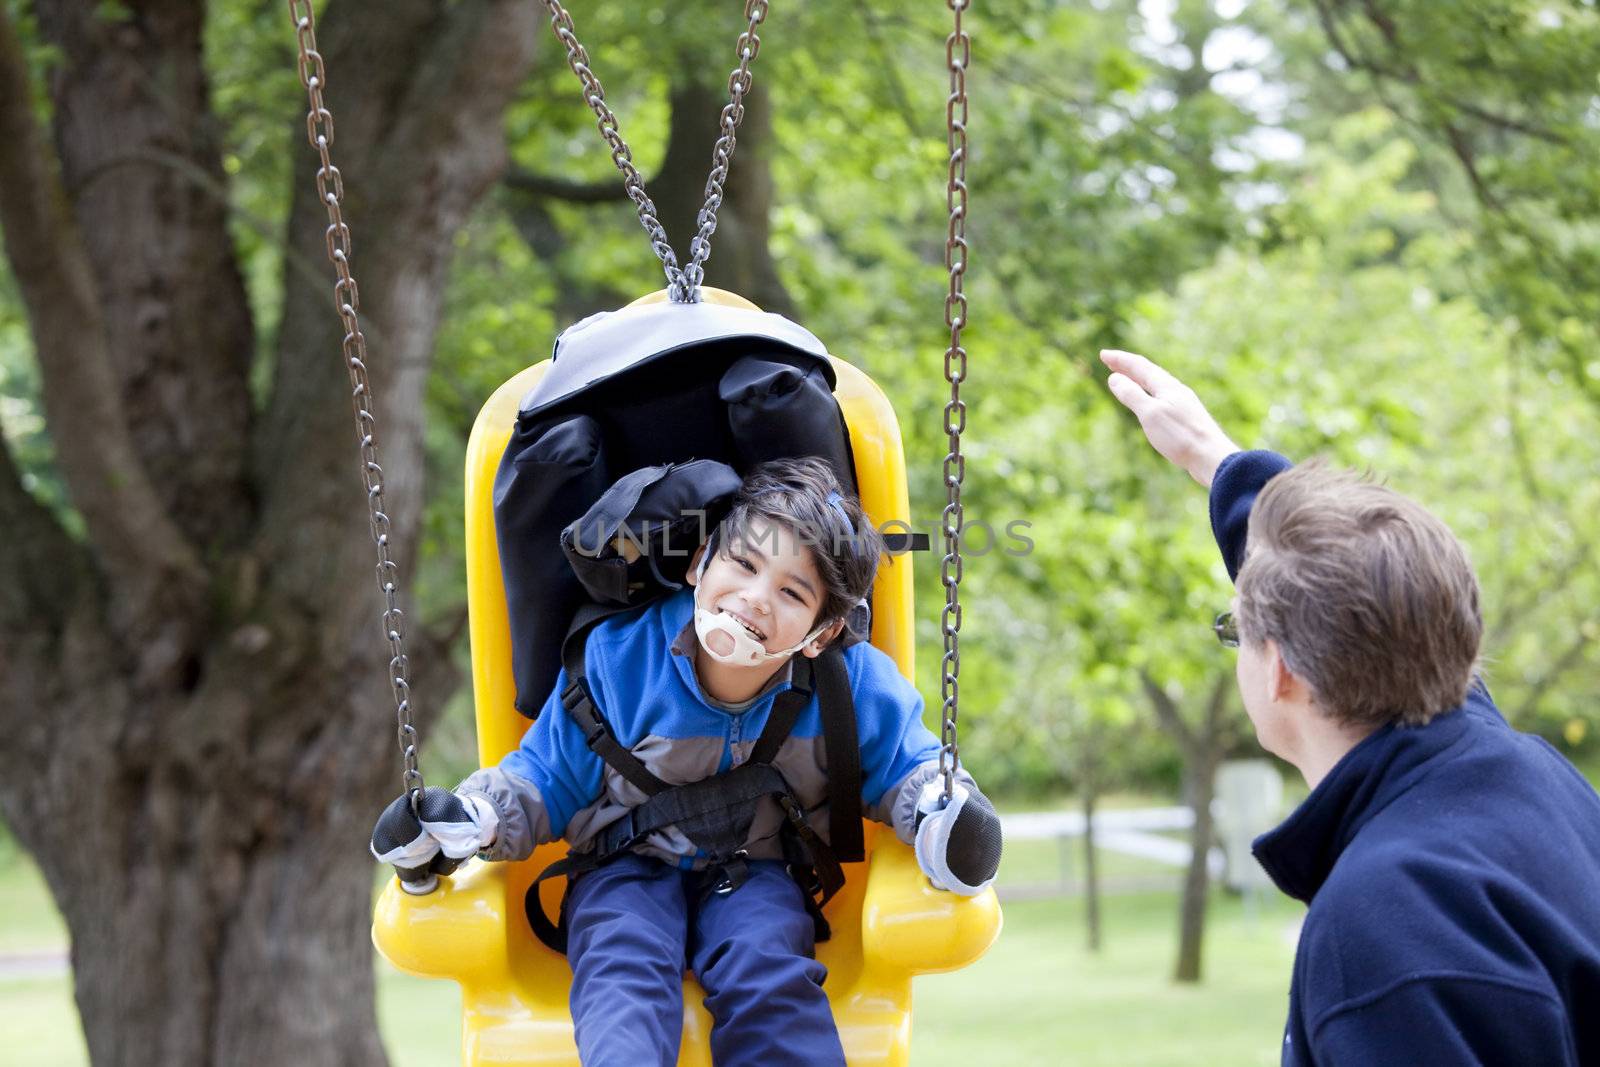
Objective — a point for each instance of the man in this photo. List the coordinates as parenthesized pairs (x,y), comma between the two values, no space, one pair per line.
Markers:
(1451,864)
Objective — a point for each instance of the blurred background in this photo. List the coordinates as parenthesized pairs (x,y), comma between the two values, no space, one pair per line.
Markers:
(1360,229)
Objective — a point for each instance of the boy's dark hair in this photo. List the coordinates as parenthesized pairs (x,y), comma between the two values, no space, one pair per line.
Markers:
(803,497)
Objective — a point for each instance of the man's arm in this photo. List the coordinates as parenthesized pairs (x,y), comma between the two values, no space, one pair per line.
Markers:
(1239,480)
(1171,415)
(1179,427)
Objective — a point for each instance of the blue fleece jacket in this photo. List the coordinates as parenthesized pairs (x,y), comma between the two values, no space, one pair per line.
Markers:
(644,685)
(1453,876)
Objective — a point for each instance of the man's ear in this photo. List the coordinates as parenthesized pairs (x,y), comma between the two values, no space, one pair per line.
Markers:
(816,645)
(693,577)
(1283,685)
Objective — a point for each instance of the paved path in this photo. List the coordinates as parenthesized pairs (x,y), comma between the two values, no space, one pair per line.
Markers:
(18,966)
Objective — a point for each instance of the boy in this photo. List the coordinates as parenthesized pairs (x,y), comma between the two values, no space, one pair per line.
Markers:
(687,685)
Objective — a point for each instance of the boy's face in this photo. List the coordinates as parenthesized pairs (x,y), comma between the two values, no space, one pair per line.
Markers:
(767,580)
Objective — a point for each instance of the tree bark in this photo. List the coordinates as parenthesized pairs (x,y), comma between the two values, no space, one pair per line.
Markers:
(1091,871)
(741,253)
(1203,745)
(141,161)
(1197,878)
(197,719)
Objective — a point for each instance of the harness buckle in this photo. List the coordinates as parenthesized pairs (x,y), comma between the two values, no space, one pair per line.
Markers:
(806,877)
(734,873)
(790,809)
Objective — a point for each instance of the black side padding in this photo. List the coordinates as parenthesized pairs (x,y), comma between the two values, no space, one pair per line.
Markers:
(659,515)
(974,849)
(779,410)
(548,476)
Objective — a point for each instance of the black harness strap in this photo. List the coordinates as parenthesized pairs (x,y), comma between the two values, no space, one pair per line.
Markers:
(700,811)
(587,618)
(786,709)
(578,702)
(842,745)
(716,813)
(554,934)
(575,698)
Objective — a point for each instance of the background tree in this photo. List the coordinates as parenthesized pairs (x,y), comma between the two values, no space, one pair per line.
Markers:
(1361,230)
(191,683)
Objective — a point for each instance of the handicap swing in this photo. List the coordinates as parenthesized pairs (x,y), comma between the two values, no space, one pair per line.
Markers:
(686,372)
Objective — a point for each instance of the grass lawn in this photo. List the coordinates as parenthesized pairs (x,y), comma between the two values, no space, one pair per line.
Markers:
(1037,997)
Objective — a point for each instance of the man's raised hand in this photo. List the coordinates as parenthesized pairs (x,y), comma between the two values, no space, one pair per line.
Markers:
(1171,415)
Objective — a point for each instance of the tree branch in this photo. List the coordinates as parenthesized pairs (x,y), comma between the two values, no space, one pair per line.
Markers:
(140,158)
(602,192)
(1571,657)
(417,149)
(36,571)
(1411,76)
(1514,611)
(1167,714)
(1464,152)
(899,99)
(131,531)
(436,676)
(1506,122)
(1217,708)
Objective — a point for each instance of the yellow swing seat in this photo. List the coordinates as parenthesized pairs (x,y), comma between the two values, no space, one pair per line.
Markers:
(888,922)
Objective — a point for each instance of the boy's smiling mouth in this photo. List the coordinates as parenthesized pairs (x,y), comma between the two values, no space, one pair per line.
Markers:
(742,621)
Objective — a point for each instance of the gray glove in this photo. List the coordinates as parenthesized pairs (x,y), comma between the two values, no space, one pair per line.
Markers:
(958,843)
(450,829)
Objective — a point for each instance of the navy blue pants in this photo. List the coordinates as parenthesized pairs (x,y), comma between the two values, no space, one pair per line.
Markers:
(635,923)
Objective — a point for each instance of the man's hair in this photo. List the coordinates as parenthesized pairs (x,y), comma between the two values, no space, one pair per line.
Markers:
(1369,597)
(801,498)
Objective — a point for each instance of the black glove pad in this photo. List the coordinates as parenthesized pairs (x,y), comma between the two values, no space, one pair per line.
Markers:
(973,853)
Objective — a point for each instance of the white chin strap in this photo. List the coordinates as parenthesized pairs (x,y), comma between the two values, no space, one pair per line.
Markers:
(742,649)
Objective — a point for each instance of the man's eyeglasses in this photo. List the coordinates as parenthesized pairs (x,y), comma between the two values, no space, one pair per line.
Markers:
(1226,627)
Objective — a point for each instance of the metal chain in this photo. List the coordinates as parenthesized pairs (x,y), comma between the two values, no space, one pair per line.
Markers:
(682,286)
(330,189)
(958,56)
(749,47)
(595,96)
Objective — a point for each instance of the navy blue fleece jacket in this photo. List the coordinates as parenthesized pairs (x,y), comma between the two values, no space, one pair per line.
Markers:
(1453,876)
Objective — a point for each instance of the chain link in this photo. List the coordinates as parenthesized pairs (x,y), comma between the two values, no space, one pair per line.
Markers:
(595,96)
(958,56)
(683,286)
(749,47)
(347,298)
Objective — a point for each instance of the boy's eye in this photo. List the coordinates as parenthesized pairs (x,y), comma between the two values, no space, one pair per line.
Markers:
(746,564)
(796,595)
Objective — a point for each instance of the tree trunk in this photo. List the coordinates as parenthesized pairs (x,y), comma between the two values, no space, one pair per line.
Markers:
(1201,774)
(741,255)
(1202,744)
(1091,872)
(741,259)
(197,723)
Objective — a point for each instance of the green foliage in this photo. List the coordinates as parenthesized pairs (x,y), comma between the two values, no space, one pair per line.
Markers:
(1501,96)
(1294,232)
